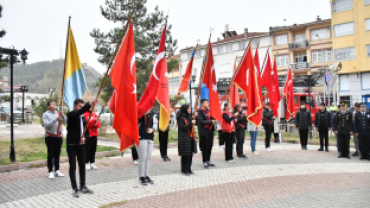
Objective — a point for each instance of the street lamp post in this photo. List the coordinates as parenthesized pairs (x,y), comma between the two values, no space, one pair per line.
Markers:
(12,58)
(322,60)
(23,89)
(193,79)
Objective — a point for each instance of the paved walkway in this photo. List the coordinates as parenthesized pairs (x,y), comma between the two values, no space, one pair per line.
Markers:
(287,177)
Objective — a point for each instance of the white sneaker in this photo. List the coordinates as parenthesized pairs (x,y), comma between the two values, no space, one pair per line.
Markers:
(88,166)
(223,146)
(93,166)
(51,175)
(269,149)
(136,162)
(231,161)
(220,147)
(256,153)
(59,174)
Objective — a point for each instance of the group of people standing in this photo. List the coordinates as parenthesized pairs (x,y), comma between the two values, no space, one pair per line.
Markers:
(343,123)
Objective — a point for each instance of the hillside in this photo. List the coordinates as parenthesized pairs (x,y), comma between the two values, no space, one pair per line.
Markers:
(42,75)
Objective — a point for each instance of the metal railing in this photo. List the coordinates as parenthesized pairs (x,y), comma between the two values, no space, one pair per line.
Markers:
(301,44)
(300,65)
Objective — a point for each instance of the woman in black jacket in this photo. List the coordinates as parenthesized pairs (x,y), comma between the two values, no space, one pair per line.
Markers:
(186,139)
(240,131)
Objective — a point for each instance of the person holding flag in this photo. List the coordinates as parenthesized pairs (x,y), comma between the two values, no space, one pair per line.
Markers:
(268,118)
(240,124)
(228,129)
(187,145)
(92,140)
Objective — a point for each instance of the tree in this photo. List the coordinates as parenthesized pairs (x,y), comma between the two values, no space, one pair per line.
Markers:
(2,33)
(147,29)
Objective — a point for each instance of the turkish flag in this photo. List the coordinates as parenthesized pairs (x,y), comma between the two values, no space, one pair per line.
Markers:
(289,94)
(210,81)
(148,98)
(185,82)
(271,82)
(163,98)
(234,94)
(247,79)
(123,102)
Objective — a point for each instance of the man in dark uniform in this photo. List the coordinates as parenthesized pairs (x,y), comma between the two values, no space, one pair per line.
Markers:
(303,122)
(362,131)
(343,123)
(323,125)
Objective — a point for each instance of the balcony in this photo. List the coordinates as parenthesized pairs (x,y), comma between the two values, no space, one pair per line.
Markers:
(300,65)
(298,45)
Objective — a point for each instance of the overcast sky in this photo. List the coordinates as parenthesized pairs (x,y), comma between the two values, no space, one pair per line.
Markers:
(40,26)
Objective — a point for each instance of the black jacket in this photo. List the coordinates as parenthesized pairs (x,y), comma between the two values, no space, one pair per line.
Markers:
(362,123)
(303,119)
(74,131)
(327,120)
(201,122)
(343,122)
(186,144)
(143,125)
(267,120)
(241,121)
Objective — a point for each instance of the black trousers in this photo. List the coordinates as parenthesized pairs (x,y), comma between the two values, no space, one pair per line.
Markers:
(220,138)
(54,146)
(134,154)
(343,140)
(186,162)
(324,134)
(268,130)
(79,152)
(206,144)
(364,145)
(303,136)
(163,142)
(228,145)
(91,144)
(240,137)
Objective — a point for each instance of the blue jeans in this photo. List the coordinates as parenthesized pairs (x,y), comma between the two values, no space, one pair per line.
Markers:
(253,139)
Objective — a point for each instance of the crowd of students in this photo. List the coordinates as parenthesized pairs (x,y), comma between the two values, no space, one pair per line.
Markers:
(231,132)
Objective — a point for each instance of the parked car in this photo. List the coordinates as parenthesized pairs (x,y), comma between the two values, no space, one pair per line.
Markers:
(6,110)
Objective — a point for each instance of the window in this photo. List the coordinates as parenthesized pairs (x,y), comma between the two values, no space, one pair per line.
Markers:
(295,100)
(241,46)
(344,29)
(229,47)
(342,5)
(254,43)
(281,39)
(367,23)
(173,82)
(199,53)
(299,37)
(367,2)
(323,33)
(318,56)
(220,49)
(300,58)
(345,54)
(282,61)
(189,54)
(368,50)
(195,72)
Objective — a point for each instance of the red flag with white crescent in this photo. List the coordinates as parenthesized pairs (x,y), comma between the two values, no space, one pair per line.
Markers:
(289,94)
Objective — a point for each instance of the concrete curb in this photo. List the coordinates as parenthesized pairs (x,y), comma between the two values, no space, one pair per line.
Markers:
(42,163)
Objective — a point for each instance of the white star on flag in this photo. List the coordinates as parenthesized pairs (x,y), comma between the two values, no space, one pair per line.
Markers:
(134,92)
(214,87)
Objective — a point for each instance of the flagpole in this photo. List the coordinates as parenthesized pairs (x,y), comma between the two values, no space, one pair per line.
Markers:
(64,73)
(236,72)
(178,94)
(110,63)
(264,61)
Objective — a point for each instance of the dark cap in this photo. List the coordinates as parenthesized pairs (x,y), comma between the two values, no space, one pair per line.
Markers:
(342,104)
(303,103)
(357,105)
(322,104)
(362,105)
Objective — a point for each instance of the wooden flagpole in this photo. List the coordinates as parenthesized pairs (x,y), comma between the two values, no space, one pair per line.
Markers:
(111,63)
(236,72)
(64,74)
(264,61)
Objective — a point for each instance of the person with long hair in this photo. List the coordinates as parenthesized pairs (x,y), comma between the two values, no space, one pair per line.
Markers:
(186,139)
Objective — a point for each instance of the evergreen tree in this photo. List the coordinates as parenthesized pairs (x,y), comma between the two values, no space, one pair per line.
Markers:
(147,29)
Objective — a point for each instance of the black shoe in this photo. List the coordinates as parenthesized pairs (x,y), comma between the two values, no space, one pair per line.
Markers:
(244,157)
(348,157)
(168,159)
(148,180)
(75,193)
(302,147)
(211,164)
(355,154)
(143,181)
(321,149)
(340,156)
(186,173)
(85,190)
(164,159)
(206,166)
(191,173)
(326,150)
(363,158)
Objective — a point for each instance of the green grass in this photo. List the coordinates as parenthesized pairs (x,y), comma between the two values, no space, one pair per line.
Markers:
(30,150)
